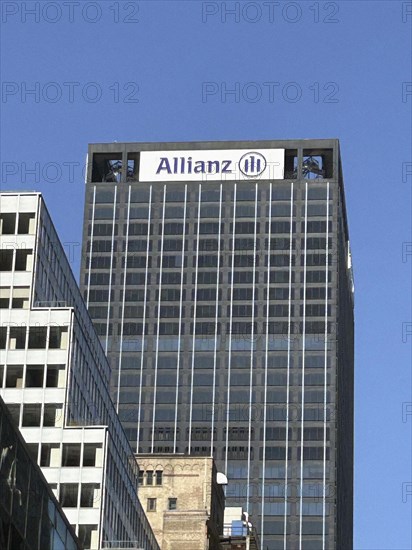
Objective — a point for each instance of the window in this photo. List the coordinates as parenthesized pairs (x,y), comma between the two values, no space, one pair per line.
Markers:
(246,228)
(208,245)
(315,210)
(37,337)
(7,224)
(14,376)
(101,246)
(149,477)
(171,245)
(58,338)
(205,278)
(242,294)
(172,504)
(246,194)
(280,276)
(172,212)
(280,227)
(53,415)
(208,228)
(4,297)
(246,260)
(102,262)
(71,454)
(206,294)
(89,495)
(20,298)
(6,260)
(23,260)
(319,193)
(68,495)
(55,376)
(206,261)
(159,477)
(104,196)
(316,226)
(34,376)
(238,453)
(137,262)
(17,338)
(173,228)
(316,293)
(151,505)
(85,535)
(210,195)
(31,415)
(170,278)
(33,450)
(208,211)
(317,163)
(244,277)
(50,455)
(92,454)
(313,453)
(206,311)
(316,276)
(103,230)
(14,411)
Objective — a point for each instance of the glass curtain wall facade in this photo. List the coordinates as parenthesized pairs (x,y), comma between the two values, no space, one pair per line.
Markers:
(31,518)
(225,306)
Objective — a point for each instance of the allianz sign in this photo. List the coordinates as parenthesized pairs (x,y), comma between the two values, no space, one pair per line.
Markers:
(219,164)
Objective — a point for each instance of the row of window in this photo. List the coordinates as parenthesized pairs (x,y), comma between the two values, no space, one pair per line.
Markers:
(209,294)
(237,396)
(14,297)
(237,361)
(275,210)
(203,278)
(240,330)
(16,260)
(280,191)
(131,413)
(150,477)
(32,376)
(236,310)
(206,228)
(33,337)
(151,505)
(55,455)
(240,452)
(311,470)
(210,245)
(17,223)
(83,495)
(239,433)
(36,415)
(205,379)
(203,261)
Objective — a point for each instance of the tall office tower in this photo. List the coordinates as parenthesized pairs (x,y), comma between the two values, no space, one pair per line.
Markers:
(54,377)
(218,276)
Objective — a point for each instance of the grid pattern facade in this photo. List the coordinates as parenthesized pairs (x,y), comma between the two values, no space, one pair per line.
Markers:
(226,312)
(53,378)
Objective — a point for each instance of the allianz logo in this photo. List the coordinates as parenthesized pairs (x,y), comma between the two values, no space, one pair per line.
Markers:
(251,164)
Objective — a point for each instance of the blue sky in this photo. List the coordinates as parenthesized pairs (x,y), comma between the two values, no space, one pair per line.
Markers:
(163,71)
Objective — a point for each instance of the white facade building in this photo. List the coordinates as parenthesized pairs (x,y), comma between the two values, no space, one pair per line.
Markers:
(54,377)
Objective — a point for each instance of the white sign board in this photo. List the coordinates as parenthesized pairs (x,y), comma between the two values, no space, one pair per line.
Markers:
(216,164)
